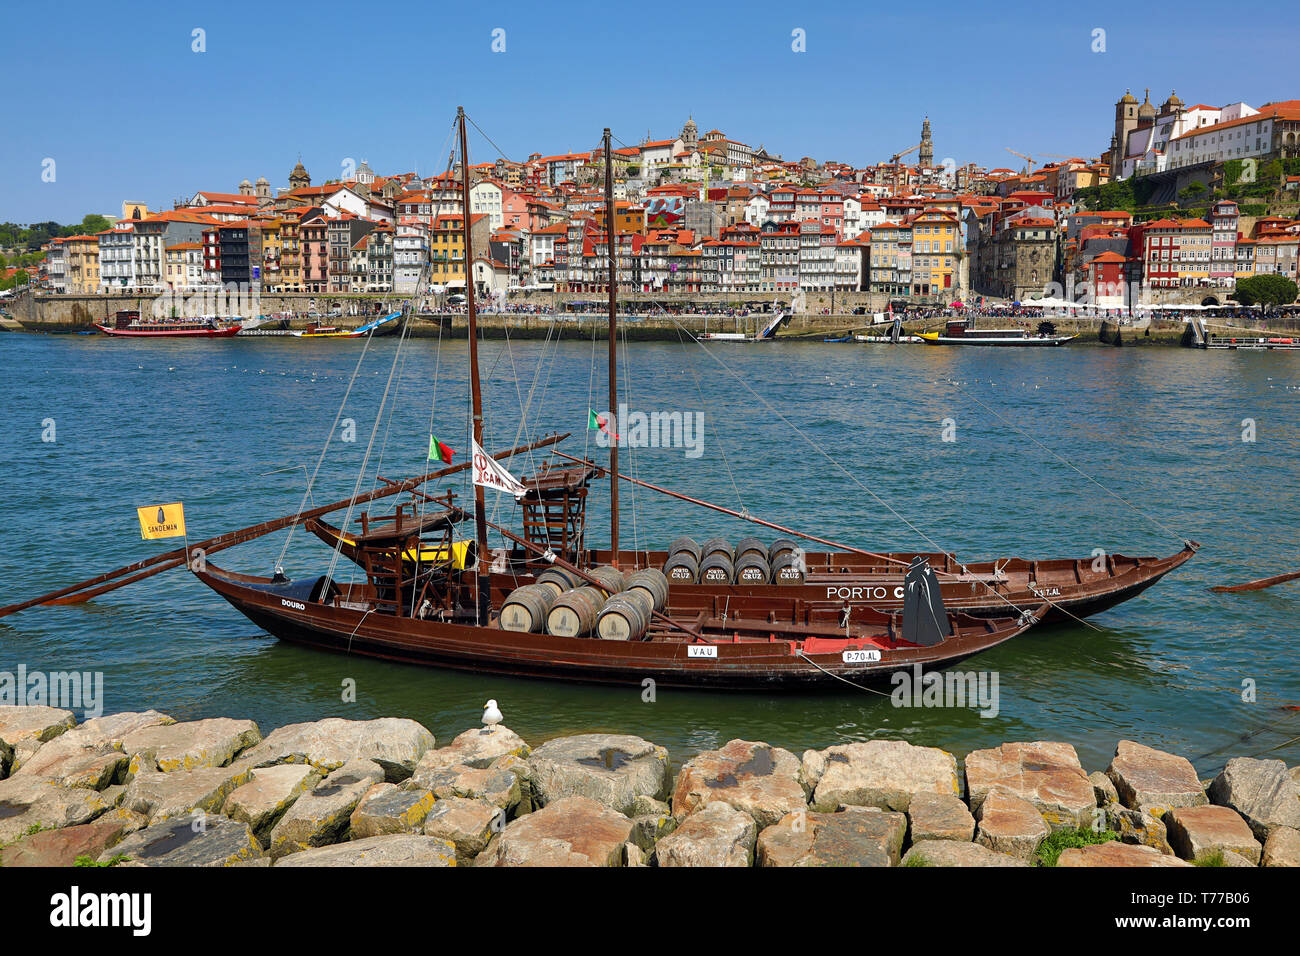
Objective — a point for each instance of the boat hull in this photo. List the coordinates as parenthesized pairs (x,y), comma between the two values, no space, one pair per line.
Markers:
(816,663)
(171,333)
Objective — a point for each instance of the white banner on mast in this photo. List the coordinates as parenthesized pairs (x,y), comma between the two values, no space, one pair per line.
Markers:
(489,473)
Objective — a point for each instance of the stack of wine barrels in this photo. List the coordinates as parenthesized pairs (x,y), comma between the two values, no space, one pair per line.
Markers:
(752,562)
(574,613)
(683,564)
(525,608)
(717,563)
(625,616)
(784,557)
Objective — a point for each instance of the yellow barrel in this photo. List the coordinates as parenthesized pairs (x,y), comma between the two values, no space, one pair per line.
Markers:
(625,616)
(653,582)
(525,608)
(574,612)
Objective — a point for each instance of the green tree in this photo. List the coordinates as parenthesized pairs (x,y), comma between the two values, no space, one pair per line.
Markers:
(1266,290)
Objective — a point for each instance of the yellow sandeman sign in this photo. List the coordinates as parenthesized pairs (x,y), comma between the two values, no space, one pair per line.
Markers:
(162,521)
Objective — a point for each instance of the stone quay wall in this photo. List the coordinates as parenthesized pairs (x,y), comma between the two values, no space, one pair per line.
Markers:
(141,789)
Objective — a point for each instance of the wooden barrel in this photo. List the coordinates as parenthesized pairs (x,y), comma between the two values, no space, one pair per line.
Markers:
(559,580)
(653,582)
(717,568)
(715,546)
(781,546)
(787,569)
(625,616)
(574,612)
(687,544)
(525,608)
(682,568)
(611,579)
(752,568)
(750,545)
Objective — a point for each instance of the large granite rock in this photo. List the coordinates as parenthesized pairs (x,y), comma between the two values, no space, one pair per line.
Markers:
(939,816)
(80,754)
(1045,773)
(1150,779)
(613,769)
(476,748)
(718,835)
(499,787)
(24,729)
(394,743)
(1282,848)
(571,831)
(1103,788)
(956,853)
(1011,825)
(853,837)
(1117,854)
(321,815)
(63,847)
(387,808)
(757,778)
(1198,832)
(1261,791)
(1138,827)
(212,840)
(467,824)
(269,792)
(27,802)
(160,796)
(401,849)
(884,774)
(189,745)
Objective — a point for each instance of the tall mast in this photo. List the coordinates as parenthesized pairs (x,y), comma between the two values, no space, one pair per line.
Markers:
(611,242)
(475,388)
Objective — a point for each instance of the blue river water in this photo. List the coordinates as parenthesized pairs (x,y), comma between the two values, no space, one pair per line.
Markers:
(1054,453)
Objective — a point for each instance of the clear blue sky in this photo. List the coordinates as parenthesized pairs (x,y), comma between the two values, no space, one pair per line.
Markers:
(114,94)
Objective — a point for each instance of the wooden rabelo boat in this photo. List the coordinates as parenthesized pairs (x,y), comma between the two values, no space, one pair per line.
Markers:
(129,324)
(756,616)
(424,603)
(963,332)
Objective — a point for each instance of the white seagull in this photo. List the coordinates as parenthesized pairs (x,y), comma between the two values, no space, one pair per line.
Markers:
(491,715)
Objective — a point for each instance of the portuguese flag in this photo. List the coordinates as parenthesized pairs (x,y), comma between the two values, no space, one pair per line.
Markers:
(438,451)
(598,422)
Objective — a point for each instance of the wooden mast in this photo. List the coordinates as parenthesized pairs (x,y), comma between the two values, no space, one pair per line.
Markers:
(475,387)
(611,244)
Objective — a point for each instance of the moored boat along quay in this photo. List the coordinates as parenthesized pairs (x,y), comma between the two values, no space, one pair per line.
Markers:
(140,789)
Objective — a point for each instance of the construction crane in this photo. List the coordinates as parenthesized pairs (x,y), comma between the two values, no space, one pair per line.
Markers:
(894,162)
(1028,159)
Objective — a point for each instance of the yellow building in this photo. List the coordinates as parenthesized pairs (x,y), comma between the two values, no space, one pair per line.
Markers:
(935,244)
(82,256)
(272,249)
(447,247)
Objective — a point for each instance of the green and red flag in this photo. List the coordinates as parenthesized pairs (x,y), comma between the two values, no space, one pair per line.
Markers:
(595,422)
(439,451)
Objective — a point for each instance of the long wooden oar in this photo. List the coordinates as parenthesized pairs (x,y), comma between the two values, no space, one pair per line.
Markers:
(1258,585)
(101,583)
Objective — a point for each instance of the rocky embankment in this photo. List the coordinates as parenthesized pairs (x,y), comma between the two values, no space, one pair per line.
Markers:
(140,789)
